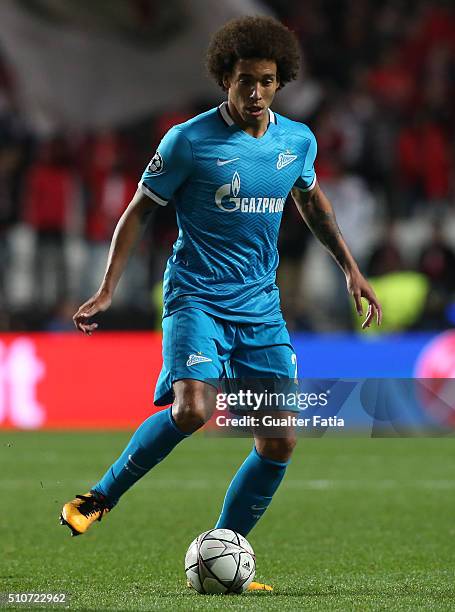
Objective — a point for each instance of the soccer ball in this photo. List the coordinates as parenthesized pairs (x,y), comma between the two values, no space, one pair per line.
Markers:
(220,561)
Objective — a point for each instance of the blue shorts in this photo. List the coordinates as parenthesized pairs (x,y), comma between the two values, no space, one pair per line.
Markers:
(200,346)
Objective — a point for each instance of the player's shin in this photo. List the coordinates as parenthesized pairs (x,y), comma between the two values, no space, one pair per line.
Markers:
(251,492)
(151,443)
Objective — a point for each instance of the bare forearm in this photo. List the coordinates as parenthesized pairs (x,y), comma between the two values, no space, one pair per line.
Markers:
(126,235)
(318,214)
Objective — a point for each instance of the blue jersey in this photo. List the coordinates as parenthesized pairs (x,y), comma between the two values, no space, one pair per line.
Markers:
(229,190)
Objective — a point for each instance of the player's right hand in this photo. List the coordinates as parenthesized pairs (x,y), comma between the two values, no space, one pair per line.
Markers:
(97,303)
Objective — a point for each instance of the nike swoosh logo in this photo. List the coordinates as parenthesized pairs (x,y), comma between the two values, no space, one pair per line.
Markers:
(222,162)
(258,508)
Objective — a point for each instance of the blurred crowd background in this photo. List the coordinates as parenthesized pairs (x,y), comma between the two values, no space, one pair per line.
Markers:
(378,92)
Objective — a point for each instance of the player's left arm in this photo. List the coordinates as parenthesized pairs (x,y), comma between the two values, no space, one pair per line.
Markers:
(317,212)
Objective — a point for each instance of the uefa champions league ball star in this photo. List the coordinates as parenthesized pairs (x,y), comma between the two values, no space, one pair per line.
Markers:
(220,561)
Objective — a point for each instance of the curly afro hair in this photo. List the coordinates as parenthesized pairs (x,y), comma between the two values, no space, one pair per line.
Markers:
(253,37)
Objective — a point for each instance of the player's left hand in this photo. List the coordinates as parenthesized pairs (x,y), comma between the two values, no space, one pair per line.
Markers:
(360,288)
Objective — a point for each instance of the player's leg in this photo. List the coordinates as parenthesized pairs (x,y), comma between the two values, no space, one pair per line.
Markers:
(181,379)
(255,483)
(150,444)
(264,352)
(157,436)
(253,487)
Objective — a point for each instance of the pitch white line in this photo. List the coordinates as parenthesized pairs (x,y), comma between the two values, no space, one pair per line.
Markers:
(202,484)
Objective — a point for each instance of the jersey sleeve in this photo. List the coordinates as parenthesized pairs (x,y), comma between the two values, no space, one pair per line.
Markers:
(307,179)
(168,168)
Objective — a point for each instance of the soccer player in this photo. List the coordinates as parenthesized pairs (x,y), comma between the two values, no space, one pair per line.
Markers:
(228,172)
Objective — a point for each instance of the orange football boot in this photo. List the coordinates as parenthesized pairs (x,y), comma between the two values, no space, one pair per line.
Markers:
(79,513)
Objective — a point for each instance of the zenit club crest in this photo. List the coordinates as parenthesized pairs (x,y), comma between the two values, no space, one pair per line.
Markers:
(284,159)
(199,358)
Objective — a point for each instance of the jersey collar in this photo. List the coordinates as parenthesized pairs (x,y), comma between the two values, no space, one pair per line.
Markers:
(225,115)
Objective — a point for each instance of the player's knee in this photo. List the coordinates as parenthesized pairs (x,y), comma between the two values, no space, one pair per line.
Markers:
(278,449)
(189,417)
(193,405)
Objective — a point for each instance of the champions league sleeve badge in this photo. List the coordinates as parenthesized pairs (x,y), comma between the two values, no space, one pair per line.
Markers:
(156,164)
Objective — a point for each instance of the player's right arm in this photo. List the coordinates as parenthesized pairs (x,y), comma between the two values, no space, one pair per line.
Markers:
(169,168)
(125,236)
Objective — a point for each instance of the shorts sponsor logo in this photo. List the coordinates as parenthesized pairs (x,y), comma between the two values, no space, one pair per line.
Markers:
(194,359)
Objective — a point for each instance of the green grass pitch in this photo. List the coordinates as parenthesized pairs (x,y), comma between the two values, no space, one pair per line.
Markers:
(358,524)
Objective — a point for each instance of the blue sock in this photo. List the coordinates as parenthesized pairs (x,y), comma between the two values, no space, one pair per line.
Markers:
(151,443)
(250,492)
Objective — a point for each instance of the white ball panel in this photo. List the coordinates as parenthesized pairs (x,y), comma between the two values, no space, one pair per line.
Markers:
(247,565)
(212,586)
(191,557)
(223,534)
(224,568)
(193,578)
(212,548)
(245,544)
(247,583)
(201,536)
